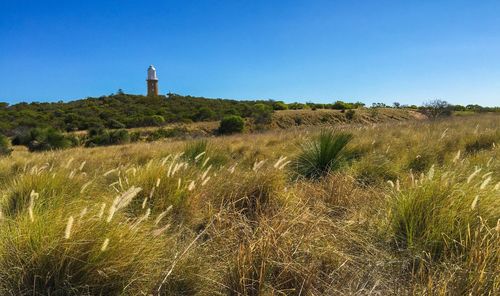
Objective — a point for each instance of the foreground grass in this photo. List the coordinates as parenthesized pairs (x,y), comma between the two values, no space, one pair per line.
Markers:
(412,208)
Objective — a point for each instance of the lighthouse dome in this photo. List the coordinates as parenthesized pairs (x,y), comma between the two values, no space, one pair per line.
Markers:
(152,73)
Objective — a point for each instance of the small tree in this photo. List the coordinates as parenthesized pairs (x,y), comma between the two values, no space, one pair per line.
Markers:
(231,124)
(437,108)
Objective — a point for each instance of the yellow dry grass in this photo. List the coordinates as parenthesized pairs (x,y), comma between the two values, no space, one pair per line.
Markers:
(402,216)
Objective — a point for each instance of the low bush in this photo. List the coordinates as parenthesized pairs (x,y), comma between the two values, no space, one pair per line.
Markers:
(262,114)
(231,124)
(102,137)
(162,133)
(4,146)
(280,106)
(40,139)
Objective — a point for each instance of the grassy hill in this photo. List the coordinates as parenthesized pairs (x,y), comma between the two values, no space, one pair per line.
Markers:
(397,208)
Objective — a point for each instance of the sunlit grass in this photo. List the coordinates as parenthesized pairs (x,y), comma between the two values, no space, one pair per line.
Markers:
(399,209)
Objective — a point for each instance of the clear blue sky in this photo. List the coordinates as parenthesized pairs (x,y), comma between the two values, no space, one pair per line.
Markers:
(321,51)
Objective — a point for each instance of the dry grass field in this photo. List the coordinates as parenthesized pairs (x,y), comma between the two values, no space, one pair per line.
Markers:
(395,208)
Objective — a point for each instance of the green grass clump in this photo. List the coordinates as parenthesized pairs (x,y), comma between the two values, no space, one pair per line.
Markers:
(195,151)
(436,213)
(482,142)
(323,154)
(374,169)
(44,256)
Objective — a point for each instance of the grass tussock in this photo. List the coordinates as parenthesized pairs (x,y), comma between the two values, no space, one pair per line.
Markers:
(322,154)
(402,209)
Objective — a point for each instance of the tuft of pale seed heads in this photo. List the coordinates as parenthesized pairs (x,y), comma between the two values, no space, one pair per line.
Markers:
(33,196)
(485,183)
(471,176)
(191,186)
(69,225)
(104,245)
(474,202)
(162,215)
(122,201)
(101,210)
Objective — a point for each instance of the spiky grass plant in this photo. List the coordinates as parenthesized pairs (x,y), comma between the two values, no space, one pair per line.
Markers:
(322,154)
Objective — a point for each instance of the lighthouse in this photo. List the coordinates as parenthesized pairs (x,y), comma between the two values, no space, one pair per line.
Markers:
(152,82)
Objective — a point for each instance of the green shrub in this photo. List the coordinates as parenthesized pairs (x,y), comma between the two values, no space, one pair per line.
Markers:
(48,139)
(322,154)
(205,114)
(155,120)
(4,146)
(231,124)
(102,137)
(262,114)
(280,106)
(166,133)
(115,124)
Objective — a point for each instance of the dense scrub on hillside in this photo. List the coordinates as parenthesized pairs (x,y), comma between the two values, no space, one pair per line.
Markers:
(391,209)
(122,111)
(128,111)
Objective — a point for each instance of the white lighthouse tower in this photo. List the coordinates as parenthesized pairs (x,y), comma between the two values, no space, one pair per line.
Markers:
(152,82)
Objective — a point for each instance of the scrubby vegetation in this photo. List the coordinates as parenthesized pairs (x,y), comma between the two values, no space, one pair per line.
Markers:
(4,146)
(231,124)
(42,139)
(387,209)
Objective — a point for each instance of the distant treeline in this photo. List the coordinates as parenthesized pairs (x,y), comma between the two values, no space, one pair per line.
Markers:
(129,111)
(122,110)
